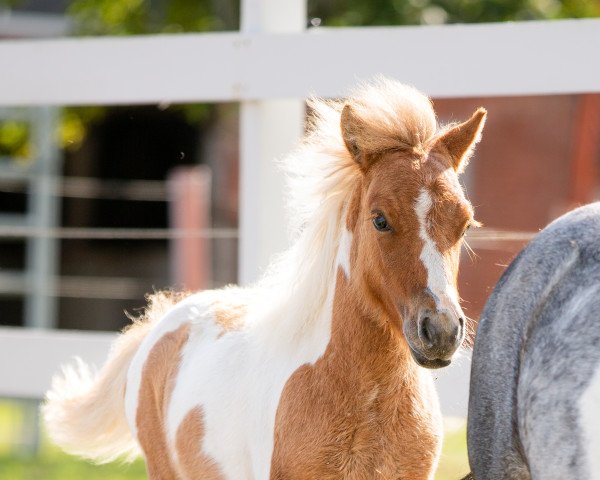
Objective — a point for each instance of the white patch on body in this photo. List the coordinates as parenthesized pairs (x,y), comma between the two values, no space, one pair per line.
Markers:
(437,277)
(589,422)
(237,378)
(237,381)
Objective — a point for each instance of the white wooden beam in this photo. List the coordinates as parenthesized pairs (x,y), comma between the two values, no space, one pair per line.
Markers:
(30,357)
(120,70)
(525,58)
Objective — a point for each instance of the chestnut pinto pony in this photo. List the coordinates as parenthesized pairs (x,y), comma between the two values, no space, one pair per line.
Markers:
(316,371)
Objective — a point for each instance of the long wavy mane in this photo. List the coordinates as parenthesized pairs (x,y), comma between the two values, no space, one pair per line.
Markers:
(321,175)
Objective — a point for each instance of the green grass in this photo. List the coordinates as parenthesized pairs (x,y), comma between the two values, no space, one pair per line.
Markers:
(454,463)
(51,464)
(17,462)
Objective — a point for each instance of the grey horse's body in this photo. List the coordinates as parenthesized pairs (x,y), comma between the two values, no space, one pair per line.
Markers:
(534,407)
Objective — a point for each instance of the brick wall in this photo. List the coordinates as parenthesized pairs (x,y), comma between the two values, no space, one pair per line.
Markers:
(537,159)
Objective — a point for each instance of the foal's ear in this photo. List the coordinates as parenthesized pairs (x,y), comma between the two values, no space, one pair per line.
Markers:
(351,130)
(459,141)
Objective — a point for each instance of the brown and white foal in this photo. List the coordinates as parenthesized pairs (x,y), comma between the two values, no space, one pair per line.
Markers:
(316,371)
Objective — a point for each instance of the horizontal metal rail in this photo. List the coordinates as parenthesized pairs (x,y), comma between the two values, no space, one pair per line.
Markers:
(15,283)
(80,233)
(15,181)
(477,238)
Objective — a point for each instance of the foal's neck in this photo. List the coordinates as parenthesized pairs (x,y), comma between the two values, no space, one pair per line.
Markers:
(365,342)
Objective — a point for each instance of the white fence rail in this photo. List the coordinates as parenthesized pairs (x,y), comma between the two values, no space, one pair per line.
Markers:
(444,61)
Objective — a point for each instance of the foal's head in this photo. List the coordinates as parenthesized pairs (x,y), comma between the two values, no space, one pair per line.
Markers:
(407,216)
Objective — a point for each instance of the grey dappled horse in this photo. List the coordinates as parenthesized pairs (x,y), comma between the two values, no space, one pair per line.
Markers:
(534,407)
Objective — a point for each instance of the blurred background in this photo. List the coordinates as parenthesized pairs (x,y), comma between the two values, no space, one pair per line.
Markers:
(102,204)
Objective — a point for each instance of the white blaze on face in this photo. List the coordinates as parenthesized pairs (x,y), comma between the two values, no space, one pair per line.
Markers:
(438,278)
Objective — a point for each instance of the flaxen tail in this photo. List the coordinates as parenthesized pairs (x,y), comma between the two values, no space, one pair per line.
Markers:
(85,413)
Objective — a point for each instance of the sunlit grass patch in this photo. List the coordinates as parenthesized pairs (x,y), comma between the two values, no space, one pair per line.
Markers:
(50,463)
(454,463)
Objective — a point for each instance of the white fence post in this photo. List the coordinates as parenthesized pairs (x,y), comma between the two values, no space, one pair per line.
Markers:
(268,129)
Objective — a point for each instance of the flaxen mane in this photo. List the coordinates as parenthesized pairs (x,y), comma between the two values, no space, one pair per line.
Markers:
(321,170)
(321,175)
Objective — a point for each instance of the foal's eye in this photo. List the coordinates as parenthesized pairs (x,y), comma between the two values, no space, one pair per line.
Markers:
(381,223)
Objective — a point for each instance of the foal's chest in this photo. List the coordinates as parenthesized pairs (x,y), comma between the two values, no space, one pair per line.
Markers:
(349,429)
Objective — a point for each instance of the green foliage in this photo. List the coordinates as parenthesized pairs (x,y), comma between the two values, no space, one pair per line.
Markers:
(15,136)
(454,463)
(416,12)
(9,3)
(128,17)
(14,139)
(73,125)
(107,17)
(578,9)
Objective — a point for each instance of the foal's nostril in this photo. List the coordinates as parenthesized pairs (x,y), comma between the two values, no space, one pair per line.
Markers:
(426,331)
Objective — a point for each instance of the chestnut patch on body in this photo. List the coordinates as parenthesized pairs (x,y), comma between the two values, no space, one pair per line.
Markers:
(158,377)
(229,315)
(192,462)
